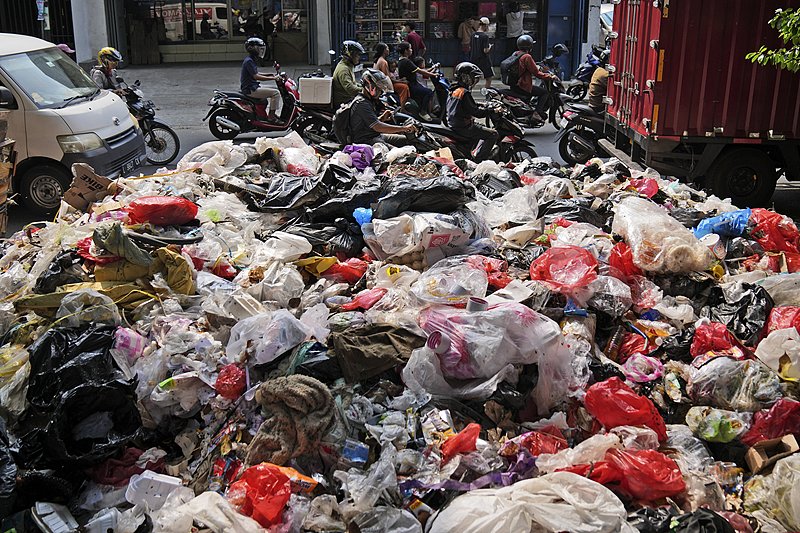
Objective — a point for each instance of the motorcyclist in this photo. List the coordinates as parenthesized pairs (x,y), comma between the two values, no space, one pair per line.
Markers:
(250,77)
(598,87)
(104,73)
(528,69)
(345,87)
(462,110)
(366,125)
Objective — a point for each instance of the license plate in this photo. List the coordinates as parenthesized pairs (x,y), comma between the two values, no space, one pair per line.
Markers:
(130,166)
(564,122)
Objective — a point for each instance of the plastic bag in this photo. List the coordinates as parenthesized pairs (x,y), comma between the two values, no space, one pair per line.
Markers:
(614,404)
(773,231)
(462,442)
(735,385)
(781,419)
(647,474)
(713,337)
(565,269)
(548,440)
(8,473)
(518,205)
(261,493)
(781,352)
(299,161)
(574,209)
(162,210)
(215,158)
(732,224)
(341,237)
(349,271)
(440,194)
(784,288)
(365,299)
(610,295)
(716,425)
(621,262)
(783,317)
(64,269)
(267,336)
(702,521)
(744,308)
(659,242)
(86,306)
(451,281)
(231,382)
(361,155)
(782,496)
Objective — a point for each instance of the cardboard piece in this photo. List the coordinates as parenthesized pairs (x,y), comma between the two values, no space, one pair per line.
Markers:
(768,452)
(87,187)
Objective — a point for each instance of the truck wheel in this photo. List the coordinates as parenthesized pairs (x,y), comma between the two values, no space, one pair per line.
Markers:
(43,186)
(747,176)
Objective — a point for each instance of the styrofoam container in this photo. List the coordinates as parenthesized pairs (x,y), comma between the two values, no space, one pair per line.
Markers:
(316,90)
(150,488)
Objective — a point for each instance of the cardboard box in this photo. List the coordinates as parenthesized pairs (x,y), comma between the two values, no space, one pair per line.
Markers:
(766,453)
(87,187)
(316,90)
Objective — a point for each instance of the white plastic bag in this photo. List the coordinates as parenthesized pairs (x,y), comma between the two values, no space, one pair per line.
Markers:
(299,161)
(781,352)
(271,334)
(451,281)
(87,306)
(215,158)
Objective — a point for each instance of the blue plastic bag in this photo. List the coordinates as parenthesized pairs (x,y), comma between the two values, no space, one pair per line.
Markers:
(730,224)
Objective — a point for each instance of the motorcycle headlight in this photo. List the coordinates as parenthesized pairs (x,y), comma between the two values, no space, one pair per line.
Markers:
(79,143)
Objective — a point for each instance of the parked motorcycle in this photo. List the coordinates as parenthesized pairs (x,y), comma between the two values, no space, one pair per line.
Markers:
(233,113)
(582,128)
(578,86)
(523,109)
(162,144)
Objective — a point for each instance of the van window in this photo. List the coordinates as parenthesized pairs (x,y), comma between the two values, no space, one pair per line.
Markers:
(48,77)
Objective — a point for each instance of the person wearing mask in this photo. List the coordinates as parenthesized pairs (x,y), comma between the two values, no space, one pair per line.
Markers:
(598,87)
(465,31)
(514,19)
(462,110)
(413,38)
(250,77)
(344,85)
(528,69)
(480,48)
(104,73)
(381,63)
(408,71)
(366,126)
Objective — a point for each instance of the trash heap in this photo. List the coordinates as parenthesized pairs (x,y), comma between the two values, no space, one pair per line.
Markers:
(375,340)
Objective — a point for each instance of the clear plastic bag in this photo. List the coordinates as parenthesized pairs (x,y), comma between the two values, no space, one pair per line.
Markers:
(517,205)
(451,281)
(86,306)
(591,450)
(610,295)
(215,158)
(267,336)
(735,385)
(299,161)
(659,242)
(717,425)
(383,519)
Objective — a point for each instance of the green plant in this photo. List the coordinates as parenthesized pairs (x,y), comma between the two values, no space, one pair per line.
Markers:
(787,22)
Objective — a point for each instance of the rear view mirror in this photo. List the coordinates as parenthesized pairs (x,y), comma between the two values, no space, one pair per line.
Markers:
(7,100)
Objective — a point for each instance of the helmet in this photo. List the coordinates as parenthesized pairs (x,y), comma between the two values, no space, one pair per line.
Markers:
(560,49)
(468,74)
(256,45)
(525,42)
(108,54)
(376,82)
(352,51)
(605,55)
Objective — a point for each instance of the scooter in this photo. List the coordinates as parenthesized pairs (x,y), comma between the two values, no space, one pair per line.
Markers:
(162,143)
(582,128)
(578,86)
(233,113)
(523,109)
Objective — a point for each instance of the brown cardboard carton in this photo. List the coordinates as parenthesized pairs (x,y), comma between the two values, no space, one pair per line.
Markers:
(768,452)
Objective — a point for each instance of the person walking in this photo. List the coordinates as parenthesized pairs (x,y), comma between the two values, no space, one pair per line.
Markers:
(514,19)
(414,39)
(480,50)
(465,31)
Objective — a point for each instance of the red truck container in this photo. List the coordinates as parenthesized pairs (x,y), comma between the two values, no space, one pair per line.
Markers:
(685,100)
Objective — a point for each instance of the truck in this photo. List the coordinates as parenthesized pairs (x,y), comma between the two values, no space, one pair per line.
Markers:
(684,99)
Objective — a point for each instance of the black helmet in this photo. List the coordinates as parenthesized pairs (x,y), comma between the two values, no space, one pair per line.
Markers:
(255,45)
(352,50)
(525,43)
(468,74)
(560,49)
(605,55)
(374,80)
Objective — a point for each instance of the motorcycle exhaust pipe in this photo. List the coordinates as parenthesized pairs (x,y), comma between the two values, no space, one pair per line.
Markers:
(226,123)
(583,143)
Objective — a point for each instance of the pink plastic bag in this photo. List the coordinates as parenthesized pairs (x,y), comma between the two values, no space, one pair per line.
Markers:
(565,269)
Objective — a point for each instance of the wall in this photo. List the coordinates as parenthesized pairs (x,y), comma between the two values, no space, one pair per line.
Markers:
(91,33)
(323,31)
(595,35)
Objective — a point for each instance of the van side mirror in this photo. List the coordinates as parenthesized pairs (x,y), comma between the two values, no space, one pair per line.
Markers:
(7,100)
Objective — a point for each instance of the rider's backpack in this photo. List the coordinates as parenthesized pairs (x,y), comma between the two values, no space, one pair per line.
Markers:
(509,69)
(341,121)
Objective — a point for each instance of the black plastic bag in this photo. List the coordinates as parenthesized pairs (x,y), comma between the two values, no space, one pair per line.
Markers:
(329,239)
(651,520)
(687,216)
(440,194)
(344,203)
(745,314)
(701,521)
(64,269)
(8,474)
(64,358)
(524,257)
(691,285)
(496,185)
(287,191)
(574,209)
(677,346)
(92,422)
(739,247)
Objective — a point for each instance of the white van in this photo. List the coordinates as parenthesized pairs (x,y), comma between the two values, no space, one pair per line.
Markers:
(58,116)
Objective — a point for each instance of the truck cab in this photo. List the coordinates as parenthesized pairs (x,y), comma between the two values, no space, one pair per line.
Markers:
(58,116)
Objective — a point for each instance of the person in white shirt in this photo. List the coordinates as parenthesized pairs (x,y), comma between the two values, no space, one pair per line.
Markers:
(514,19)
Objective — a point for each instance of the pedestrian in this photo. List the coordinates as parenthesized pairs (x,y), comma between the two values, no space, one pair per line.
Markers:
(413,38)
(465,31)
(480,50)
(67,50)
(514,19)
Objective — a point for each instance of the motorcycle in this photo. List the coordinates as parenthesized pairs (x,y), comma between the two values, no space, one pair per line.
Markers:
(162,144)
(441,89)
(523,109)
(578,139)
(233,113)
(578,86)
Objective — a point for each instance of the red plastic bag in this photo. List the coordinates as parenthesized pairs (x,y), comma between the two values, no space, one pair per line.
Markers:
(782,419)
(261,493)
(349,271)
(633,343)
(496,270)
(161,210)
(647,474)
(602,472)
(773,231)
(462,442)
(547,440)
(84,250)
(565,269)
(645,186)
(365,299)
(713,337)
(773,262)
(231,382)
(223,268)
(614,404)
(621,262)
(783,317)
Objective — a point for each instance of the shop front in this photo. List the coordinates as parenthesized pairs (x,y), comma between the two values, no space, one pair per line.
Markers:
(194,31)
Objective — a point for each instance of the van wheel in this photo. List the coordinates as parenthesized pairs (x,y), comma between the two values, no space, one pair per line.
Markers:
(747,176)
(43,186)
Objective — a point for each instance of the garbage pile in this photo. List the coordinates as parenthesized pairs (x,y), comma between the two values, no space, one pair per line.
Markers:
(375,340)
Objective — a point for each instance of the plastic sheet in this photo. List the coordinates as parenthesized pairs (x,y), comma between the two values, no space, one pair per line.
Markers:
(743,308)
(451,281)
(731,224)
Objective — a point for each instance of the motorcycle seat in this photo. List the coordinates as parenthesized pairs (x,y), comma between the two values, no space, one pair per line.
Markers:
(237,94)
(444,130)
(583,108)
